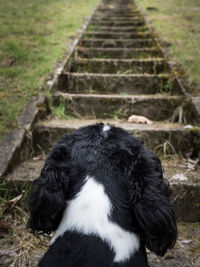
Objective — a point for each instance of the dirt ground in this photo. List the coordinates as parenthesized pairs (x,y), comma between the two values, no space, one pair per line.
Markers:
(186,253)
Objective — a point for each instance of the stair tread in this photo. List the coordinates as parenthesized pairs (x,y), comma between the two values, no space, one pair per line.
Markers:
(117,96)
(117,66)
(148,49)
(116,60)
(30,170)
(77,123)
(118,53)
(142,75)
(118,40)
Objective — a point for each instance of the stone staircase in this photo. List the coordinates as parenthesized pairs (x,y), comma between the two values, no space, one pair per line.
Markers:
(118,69)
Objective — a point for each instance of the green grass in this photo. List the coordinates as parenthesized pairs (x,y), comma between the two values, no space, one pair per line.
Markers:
(60,112)
(33,37)
(116,114)
(178,23)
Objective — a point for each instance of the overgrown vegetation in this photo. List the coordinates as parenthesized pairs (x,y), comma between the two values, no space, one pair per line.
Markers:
(18,245)
(178,23)
(60,112)
(33,37)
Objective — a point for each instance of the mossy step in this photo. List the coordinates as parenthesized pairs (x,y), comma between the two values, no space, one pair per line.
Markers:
(124,19)
(117,29)
(115,14)
(119,10)
(154,107)
(119,66)
(123,53)
(117,23)
(123,8)
(102,16)
(116,83)
(117,35)
(155,135)
(116,43)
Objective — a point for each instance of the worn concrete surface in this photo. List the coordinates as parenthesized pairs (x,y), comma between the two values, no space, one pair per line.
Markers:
(127,53)
(120,66)
(117,43)
(114,83)
(14,148)
(48,132)
(89,106)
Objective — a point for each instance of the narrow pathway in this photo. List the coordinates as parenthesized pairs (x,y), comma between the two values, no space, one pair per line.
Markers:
(118,69)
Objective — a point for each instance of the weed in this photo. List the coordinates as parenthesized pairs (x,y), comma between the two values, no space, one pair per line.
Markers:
(168,86)
(123,93)
(102,55)
(93,27)
(165,87)
(60,111)
(130,71)
(143,29)
(116,114)
(165,149)
(90,90)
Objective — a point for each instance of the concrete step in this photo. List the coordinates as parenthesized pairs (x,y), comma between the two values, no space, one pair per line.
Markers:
(131,29)
(118,23)
(97,19)
(123,53)
(155,135)
(154,107)
(116,83)
(123,9)
(116,13)
(117,35)
(119,66)
(106,17)
(186,194)
(116,43)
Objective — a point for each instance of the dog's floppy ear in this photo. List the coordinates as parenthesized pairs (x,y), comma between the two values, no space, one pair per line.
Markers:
(49,191)
(149,196)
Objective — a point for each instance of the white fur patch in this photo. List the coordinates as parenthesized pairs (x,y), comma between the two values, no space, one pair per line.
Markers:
(106,128)
(88,213)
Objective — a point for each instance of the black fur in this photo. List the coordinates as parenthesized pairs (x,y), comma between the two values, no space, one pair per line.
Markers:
(133,179)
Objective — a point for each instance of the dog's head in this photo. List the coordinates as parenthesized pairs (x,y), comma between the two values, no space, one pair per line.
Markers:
(106,151)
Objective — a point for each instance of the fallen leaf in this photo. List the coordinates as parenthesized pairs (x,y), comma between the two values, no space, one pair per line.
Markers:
(139,119)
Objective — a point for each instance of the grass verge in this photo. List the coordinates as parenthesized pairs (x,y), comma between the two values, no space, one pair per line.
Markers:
(33,37)
(178,23)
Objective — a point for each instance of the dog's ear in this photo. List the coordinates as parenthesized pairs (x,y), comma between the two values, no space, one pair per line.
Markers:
(149,197)
(48,197)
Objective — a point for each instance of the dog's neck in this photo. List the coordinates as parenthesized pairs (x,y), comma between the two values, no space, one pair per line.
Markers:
(89,213)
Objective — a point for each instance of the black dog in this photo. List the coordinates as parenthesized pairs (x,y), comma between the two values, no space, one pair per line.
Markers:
(104,194)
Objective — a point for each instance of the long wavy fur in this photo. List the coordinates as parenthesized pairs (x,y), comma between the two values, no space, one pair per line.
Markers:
(149,195)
